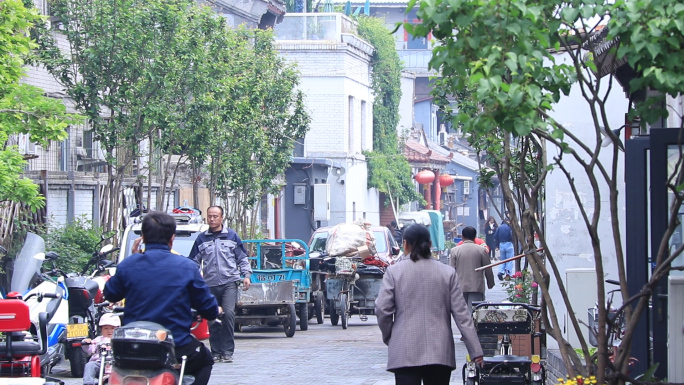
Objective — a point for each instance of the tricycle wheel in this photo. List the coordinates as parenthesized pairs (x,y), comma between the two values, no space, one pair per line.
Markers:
(343,310)
(334,317)
(303,316)
(311,311)
(318,307)
(291,323)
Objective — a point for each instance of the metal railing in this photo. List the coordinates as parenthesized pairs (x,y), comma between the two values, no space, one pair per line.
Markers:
(315,26)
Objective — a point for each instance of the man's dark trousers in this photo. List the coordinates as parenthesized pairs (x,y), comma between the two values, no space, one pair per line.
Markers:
(222,334)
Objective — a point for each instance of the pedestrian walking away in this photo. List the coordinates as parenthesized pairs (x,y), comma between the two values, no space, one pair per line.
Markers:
(465,259)
(503,237)
(169,298)
(414,315)
(225,265)
(489,230)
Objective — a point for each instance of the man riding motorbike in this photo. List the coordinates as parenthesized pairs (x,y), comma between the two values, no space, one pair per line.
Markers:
(162,287)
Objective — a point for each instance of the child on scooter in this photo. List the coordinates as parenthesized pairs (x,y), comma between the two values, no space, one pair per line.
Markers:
(108,323)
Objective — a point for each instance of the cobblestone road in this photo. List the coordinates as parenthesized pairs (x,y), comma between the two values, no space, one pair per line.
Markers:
(324,354)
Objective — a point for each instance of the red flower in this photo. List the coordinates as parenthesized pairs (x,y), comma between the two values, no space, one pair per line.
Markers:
(517,275)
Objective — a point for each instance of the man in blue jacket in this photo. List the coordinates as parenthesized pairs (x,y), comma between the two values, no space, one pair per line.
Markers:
(162,287)
(225,264)
(504,238)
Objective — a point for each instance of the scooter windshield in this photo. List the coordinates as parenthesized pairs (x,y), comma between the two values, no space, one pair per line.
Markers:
(26,267)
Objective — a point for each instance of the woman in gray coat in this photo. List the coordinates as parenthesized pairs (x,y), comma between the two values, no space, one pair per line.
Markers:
(414,309)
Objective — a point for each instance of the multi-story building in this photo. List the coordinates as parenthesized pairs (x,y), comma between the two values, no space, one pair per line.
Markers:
(326,183)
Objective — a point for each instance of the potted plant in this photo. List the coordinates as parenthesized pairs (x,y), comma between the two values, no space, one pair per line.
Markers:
(520,287)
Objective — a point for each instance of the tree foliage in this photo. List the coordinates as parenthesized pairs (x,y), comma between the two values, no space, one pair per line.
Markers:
(121,57)
(74,243)
(501,57)
(253,142)
(388,169)
(23,108)
(159,77)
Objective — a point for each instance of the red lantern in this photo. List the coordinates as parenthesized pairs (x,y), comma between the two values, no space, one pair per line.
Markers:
(425,177)
(446,180)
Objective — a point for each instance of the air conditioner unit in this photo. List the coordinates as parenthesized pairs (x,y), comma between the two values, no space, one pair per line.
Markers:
(466,187)
(442,135)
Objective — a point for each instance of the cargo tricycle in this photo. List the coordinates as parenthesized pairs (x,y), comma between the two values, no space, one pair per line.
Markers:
(352,288)
(281,285)
(506,319)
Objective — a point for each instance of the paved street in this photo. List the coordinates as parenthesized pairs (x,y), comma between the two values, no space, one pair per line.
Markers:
(324,354)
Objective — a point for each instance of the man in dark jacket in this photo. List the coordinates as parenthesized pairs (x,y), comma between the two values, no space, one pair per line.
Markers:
(465,259)
(224,262)
(396,232)
(168,297)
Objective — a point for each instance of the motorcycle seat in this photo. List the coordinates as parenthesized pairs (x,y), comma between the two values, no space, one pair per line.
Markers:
(20,348)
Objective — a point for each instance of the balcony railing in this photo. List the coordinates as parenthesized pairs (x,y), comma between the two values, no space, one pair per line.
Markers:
(315,26)
(416,60)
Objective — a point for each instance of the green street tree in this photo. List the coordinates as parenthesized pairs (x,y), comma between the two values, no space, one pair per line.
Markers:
(192,98)
(260,115)
(23,108)
(116,67)
(388,170)
(498,56)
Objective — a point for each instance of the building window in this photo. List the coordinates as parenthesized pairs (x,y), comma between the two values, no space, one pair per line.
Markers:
(351,124)
(364,129)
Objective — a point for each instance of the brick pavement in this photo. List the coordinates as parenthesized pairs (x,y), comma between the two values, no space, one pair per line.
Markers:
(324,354)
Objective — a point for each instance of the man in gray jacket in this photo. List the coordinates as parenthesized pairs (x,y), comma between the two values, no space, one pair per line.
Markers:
(224,261)
(465,259)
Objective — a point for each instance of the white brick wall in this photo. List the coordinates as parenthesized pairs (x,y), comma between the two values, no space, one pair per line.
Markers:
(331,74)
(83,204)
(57,207)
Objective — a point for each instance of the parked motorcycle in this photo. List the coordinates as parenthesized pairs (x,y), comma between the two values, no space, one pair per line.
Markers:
(52,282)
(84,293)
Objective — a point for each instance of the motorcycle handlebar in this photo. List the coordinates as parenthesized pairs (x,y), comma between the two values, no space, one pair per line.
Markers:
(43,295)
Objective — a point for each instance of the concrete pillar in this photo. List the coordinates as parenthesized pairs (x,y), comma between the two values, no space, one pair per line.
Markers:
(437,191)
(428,196)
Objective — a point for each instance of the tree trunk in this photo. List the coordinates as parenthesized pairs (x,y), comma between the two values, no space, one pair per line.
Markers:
(195,185)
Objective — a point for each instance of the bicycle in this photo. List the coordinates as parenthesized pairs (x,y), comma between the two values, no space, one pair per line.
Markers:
(616,328)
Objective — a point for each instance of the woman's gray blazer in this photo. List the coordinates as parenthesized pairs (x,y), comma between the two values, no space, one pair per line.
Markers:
(414,310)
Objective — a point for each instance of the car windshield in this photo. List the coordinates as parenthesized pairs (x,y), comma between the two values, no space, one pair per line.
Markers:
(182,244)
(380,241)
(318,242)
